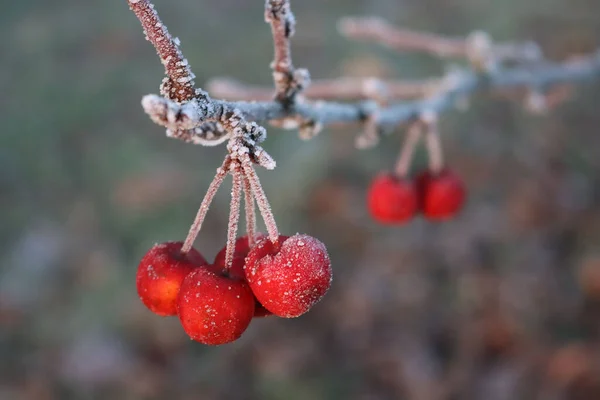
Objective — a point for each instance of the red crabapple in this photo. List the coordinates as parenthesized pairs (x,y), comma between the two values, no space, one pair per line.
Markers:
(237,268)
(213,308)
(290,276)
(441,195)
(392,200)
(160,274)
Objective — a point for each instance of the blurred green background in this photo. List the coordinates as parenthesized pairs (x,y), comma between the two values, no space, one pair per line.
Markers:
(501,303)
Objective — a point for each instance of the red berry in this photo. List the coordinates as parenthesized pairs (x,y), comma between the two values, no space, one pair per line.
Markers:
(237,268)
(392,200)
(441,195)
(160,274)
(290,276)
(214,309)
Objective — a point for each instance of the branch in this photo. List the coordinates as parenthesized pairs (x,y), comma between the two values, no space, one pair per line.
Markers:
(378,30)
(465,83)
(188,119)
(288,81)
(330,89)
(179,83)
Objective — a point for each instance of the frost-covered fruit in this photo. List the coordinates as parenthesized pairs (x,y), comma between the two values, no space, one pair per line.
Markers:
(290,276)
(213,308)
(441,195)
(392,200)
(160,274)
(237,268)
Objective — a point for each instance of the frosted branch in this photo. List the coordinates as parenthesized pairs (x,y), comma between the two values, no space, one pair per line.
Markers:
(179,83)
(288,81)
(187,120)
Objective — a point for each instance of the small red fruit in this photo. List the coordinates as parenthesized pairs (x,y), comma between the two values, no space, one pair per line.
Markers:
(160,274)
(214,309)
(290,276)
(392,200)
(237,268)
(441,195)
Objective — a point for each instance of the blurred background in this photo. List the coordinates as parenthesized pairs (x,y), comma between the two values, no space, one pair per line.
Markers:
(500,303)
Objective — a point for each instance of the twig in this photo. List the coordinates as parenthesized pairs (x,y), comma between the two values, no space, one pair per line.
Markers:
(234,213)
(262,201)
(327,113)
(288,81)
(250,212)
(329,89)
(203,209)
(180,119)
(179,83)
(434,146)
(413,134)
(378,30)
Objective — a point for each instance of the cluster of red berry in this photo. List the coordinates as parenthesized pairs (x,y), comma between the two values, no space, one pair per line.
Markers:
(395,200)
(215,304)
(438,193)
(252,276)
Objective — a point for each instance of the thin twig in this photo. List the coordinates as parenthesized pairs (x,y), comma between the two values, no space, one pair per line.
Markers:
(203,209)
(434,145)
(329,89)
(234,213)
(413,134)
(179,83)
(288,81)
(250,211)
(379,31)
(261,200)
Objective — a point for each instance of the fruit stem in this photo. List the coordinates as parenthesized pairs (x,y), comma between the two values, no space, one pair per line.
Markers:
(250,211)
(434,147)
(203,209)
(261,200)
(413,135)
(234,213)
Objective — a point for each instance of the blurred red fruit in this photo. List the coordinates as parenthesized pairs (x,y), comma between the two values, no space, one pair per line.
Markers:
(441,195)
(160,274)
(392,200)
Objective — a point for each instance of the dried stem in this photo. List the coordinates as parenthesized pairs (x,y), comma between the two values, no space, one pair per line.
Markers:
(234,213)
(413,134)
(203,209)
(434,146)
(250,212)
(261,200)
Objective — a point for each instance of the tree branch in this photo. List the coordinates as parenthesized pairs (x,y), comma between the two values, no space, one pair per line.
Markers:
(179,83)
(187,117)
(288,81)
(330,89)
(379,31)
(541,78)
